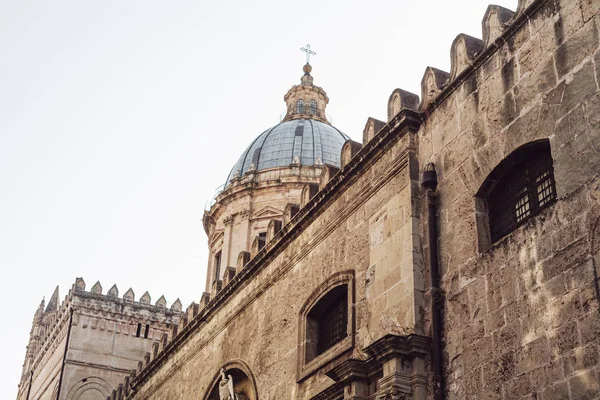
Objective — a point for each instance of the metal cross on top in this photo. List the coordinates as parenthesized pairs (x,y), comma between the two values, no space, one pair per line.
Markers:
(308,52)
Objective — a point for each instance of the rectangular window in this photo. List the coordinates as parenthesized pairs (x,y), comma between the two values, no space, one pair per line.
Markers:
(217,266)
(147,331)
(262,240)
(139,330)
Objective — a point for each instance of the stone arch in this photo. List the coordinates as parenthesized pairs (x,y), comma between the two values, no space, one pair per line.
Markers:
(308,360)
(517,189)
(243,378)
(90,388)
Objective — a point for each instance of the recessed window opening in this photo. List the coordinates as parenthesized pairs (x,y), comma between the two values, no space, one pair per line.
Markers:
(217,266)
(519,188)
(300,106)
(313,107)
(327,322)
(139,330)
(262,240)
(146,331)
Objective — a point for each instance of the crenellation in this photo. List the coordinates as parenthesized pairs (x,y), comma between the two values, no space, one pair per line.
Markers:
(519,311)
(192,311)
(176,306)
(463,52)
(432,84)
(204,300)
(228,275)
(290,212)
(349,150)
(308,192)
(98,314)
(370,130)
(97,288)
(161,302)
(129,296)
(327,174)
(113,291)
(79,285)
(400,100)
(145,299)
(494,23)
(273,229)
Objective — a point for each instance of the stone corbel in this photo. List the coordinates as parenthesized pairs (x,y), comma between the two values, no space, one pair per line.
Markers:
(353,376)
(395,394)
(403,360)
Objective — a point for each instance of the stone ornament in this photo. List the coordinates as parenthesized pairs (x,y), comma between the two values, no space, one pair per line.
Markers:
(396,394)
(226,387)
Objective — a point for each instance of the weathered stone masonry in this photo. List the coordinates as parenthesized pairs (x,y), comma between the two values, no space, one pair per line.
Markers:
(521,314)
(521,310)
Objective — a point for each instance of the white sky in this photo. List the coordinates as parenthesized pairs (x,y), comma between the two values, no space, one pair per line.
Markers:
(119,119)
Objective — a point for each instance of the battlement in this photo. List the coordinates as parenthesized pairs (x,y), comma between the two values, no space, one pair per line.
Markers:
(97,310)
(468,55)
(111,298)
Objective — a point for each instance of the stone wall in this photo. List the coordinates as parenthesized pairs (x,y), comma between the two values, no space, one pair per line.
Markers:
(522,316)
(365,229)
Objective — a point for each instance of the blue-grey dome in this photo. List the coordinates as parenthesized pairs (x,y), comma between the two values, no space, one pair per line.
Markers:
(307,139)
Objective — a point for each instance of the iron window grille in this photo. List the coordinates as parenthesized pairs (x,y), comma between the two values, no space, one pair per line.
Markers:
(333,324)
(300,106)
(520,188)
(313,107)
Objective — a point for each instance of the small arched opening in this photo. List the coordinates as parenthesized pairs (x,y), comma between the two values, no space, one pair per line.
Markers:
(239,377)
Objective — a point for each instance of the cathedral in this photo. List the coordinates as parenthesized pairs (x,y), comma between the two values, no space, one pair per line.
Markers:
(453,254)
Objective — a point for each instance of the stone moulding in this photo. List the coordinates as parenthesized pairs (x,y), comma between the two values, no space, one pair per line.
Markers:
(353,372)
(404,123)
(334,392)
(392,346)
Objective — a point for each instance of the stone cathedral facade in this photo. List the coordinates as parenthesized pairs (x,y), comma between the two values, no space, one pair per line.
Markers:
(453,254)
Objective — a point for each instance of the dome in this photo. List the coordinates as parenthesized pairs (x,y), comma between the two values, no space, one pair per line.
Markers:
(306,138)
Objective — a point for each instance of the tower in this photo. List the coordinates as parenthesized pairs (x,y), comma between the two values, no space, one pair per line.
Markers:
(85,346)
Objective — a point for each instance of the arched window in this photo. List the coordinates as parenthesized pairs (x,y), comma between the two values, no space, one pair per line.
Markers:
(327,322)
(519,188)
(326,328)
(313,107)
(300,106)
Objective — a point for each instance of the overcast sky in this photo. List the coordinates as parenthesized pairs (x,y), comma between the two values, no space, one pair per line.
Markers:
(119,119)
